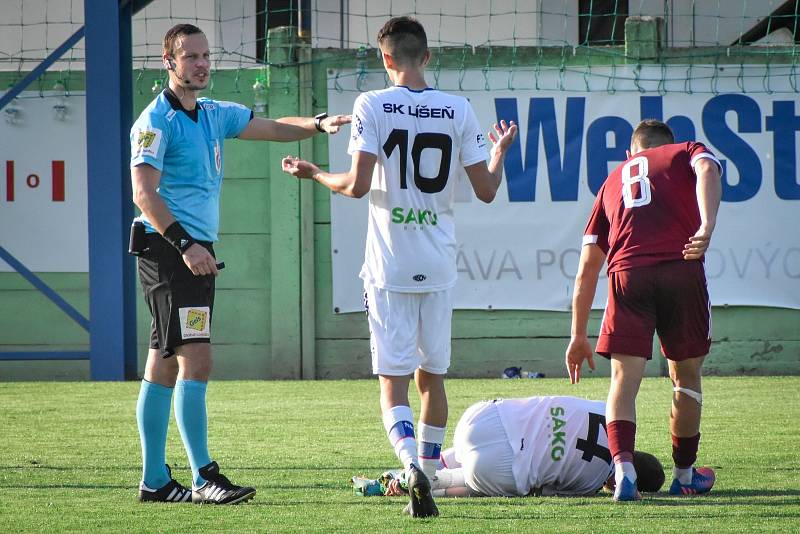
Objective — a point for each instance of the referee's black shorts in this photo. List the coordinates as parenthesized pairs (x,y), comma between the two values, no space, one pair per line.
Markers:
(180,302)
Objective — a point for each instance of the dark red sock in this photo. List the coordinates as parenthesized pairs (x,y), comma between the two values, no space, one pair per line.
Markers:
(684,451)
(621,439)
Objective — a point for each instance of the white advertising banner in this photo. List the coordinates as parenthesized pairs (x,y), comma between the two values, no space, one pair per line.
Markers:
(521,251)
(43,186)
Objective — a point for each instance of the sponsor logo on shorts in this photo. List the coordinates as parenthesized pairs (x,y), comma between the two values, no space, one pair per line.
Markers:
(419,277)
(195,322)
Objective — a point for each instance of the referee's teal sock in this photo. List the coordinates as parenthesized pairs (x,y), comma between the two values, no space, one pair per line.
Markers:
(190,413)
(152,418)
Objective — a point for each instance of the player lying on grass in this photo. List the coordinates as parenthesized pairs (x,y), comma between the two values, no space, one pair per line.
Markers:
(517,447)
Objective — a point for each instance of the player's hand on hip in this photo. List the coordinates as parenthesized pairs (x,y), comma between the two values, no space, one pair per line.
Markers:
(299,168)
(578,351)
(697,245)
(333,123)
(200,261)
(505,136)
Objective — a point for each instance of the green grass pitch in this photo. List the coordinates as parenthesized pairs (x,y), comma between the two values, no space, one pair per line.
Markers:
(70,461)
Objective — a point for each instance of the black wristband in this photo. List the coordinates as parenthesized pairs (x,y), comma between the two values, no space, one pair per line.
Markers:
(318,122)
(178,237)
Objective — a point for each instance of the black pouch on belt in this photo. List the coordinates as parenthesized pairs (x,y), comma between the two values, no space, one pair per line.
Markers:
(138,243)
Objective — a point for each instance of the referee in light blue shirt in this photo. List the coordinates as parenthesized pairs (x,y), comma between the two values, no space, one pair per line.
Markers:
(176,170)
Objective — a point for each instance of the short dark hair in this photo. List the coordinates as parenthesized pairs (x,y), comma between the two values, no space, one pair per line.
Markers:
(175,32)
(651,133)
(404,39)
(649,472)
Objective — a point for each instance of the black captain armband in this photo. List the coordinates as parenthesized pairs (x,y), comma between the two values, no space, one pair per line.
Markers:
(178,237)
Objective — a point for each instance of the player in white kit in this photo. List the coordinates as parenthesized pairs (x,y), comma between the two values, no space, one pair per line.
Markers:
(408,144)
(533,446)
(537,446)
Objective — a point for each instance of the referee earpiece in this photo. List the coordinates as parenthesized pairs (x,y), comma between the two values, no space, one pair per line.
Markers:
(171,66)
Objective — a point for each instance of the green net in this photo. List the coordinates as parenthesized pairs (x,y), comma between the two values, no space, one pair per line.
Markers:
(565,45)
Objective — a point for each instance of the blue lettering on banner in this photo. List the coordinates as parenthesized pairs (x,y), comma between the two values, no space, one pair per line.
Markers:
(563,170)
(598,153)
(401,430)
(737,149)
(562,173)
(784,124)
(652,107)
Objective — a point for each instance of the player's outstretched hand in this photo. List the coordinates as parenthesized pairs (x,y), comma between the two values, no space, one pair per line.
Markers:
(200,261)
(299,168)
(578,351)
(505,135)
(697,245)
(333,123)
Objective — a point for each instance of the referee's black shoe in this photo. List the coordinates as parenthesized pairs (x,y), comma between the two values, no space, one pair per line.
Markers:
(172,491)
(218,489)
(419,490)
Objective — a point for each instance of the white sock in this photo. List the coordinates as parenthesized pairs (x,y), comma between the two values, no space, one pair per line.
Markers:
(429,448)
(684,475)
(624,469)
(448,478)
(399,428)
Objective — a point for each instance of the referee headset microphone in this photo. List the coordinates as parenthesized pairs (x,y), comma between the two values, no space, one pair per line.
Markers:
(171,66)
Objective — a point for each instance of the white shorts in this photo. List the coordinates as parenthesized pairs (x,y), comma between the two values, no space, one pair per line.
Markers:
(486,456)
(409,330)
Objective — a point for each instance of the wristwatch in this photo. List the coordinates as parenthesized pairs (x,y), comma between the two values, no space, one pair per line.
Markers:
(318,121)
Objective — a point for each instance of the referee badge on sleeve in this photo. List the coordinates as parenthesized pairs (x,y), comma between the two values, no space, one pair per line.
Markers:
(146,142)
(195,322)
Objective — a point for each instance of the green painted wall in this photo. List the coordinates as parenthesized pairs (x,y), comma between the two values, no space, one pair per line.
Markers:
(273,309)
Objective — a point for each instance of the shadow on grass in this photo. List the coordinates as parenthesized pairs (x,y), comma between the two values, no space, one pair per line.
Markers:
(740,497)
(177,467)
(69,486)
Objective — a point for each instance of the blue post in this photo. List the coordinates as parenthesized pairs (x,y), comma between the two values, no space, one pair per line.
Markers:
(109,101)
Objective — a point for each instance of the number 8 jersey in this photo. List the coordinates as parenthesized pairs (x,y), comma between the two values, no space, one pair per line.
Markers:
(422,140)
(646,210)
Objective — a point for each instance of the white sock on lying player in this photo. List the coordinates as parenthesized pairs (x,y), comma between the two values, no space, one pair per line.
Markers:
(450,483)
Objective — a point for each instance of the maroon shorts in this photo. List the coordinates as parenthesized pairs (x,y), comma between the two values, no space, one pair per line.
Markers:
(670,298)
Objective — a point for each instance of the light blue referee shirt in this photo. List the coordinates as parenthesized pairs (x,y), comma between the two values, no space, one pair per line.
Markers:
(189,155)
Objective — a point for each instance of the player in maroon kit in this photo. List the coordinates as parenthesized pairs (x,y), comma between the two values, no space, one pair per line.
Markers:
(652,220)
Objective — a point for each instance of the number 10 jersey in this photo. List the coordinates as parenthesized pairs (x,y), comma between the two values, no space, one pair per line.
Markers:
(422,140)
